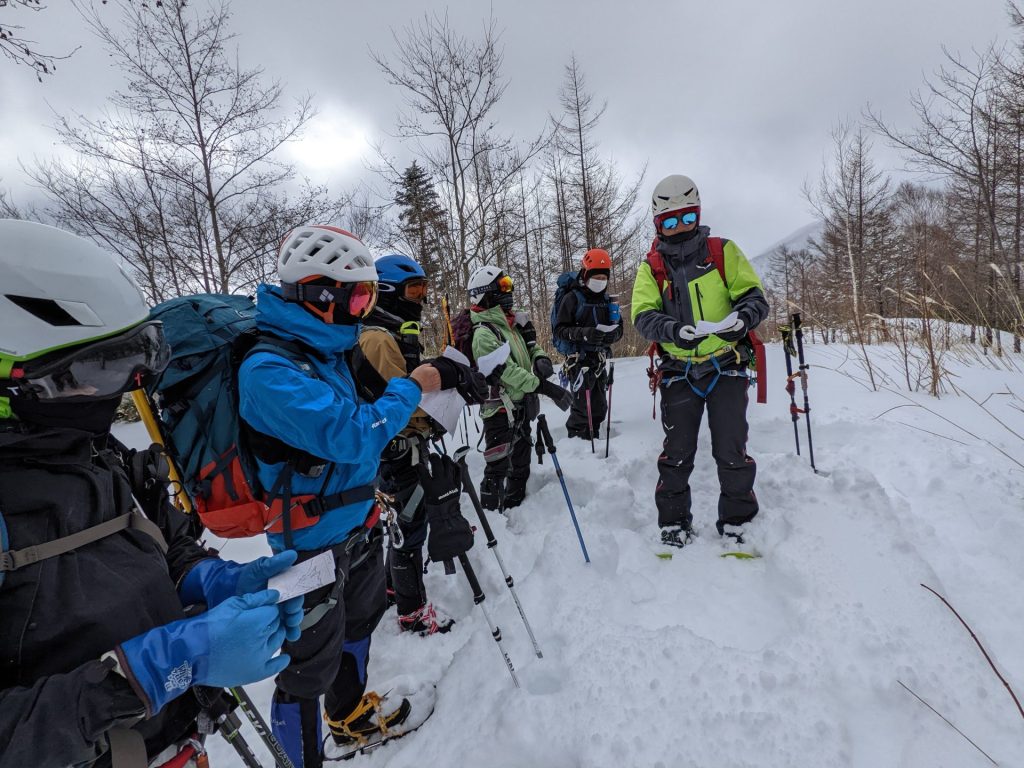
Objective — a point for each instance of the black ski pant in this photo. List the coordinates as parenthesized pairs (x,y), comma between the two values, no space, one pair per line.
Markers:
(330,657)
(507,456)
(399,478)
(681,412)
(578,424)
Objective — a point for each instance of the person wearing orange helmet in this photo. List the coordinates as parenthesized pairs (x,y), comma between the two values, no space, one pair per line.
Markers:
(583,315)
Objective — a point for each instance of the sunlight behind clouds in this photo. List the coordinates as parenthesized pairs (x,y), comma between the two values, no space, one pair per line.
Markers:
(334,142)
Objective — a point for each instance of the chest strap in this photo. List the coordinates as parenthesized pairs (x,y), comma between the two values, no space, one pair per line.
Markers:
(18,558)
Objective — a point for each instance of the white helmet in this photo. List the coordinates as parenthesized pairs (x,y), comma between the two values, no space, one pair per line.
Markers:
(320,250)
(674,193)
(484,280)
(59,290)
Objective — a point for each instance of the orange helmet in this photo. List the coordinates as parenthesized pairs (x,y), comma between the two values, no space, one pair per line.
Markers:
(597,259)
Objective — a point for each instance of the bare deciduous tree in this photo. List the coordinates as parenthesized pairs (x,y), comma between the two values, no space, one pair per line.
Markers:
(180,175)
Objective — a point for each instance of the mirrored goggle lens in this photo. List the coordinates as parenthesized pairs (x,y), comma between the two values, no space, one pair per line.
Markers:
(505,284)
(690,218)
(103,369)
(362,299)
(416,290)
(670,223)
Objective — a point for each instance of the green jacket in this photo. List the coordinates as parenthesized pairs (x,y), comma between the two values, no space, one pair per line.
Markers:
(518,378)
(698,293)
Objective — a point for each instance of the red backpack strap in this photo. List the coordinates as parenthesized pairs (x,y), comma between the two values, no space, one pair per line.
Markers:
(657,264)
(716,256)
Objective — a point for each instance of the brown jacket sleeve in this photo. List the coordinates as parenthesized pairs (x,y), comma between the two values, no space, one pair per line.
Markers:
(383,354)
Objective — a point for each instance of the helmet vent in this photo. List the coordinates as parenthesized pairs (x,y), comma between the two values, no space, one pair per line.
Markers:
(47,310)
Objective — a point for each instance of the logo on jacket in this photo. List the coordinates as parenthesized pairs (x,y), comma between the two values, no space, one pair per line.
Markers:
(180,678)
(380,423)
(446,495)
(705,266)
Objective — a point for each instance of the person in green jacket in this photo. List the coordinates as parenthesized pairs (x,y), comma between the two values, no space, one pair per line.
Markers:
(677,287)
(507,416)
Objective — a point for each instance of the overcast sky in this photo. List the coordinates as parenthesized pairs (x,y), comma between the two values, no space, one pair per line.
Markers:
(739,95)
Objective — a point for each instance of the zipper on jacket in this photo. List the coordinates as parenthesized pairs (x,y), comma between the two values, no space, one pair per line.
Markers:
(700,307)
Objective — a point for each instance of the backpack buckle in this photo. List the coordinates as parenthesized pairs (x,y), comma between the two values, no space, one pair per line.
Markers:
(313,508)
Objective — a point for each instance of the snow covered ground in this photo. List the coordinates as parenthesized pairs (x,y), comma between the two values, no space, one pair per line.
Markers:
(789,660)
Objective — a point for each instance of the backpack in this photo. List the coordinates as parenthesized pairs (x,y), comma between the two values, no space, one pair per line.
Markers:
(212,448)
(567,283)
(716,255)
(462,334)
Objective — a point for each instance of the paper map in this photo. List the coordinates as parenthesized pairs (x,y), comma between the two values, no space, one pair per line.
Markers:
(304,577)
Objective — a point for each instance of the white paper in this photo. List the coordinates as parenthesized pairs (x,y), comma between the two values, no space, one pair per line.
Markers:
(606,328)
(706,327)
(443,407)
(492,360)
(446,406)
(304,577)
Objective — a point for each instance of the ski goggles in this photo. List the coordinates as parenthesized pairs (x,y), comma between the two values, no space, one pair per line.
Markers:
(505,284)
(97,370)
(415,290)
(357,299)
(673,220)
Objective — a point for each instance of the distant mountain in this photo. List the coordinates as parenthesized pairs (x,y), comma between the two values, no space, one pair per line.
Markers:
(794,241)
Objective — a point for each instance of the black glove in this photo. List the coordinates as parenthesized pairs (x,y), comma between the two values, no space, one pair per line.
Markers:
(543,368)
(450,534)
(470,384)
(591,335)
(560,397)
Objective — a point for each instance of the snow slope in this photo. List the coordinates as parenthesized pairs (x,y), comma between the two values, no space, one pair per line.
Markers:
(795,241)
(790,660)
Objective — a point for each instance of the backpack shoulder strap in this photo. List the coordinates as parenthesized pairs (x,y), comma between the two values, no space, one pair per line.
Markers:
(368,380)
(657,264)
(14,559)
(716,248)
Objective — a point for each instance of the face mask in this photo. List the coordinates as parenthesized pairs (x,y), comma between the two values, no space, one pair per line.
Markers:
(94,417)
(597,284)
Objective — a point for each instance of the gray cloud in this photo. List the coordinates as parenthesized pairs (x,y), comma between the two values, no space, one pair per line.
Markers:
(739,95)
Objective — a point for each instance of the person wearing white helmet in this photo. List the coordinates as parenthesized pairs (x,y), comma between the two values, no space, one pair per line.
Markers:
(328,285)
(689,277)
(508,416)
(98,663)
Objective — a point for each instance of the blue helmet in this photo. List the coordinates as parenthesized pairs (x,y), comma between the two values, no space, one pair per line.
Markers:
(393,274)
(396,269)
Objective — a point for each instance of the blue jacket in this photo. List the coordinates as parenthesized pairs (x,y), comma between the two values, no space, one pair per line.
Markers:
(322,416)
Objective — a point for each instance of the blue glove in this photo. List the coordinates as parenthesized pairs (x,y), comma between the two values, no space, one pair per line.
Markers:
(214,581)
(232,644)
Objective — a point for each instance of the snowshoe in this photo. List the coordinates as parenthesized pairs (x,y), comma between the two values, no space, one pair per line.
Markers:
(737,542)
(378,720)
(675,537)
(426,621)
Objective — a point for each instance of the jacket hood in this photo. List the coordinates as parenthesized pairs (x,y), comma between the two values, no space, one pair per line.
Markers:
(493,314)
(291,322)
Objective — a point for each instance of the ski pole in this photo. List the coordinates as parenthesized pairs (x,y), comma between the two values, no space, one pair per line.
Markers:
(478,599)
(262,729)
(545,439)
(797,327)
(794,410)
(590,423)
(229,727)
(492,543)
(608,427)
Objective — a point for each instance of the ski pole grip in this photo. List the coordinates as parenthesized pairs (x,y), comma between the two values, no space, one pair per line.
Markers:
(449,567)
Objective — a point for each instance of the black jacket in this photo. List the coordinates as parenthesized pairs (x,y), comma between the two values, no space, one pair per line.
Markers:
(596,313)
(59,616)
